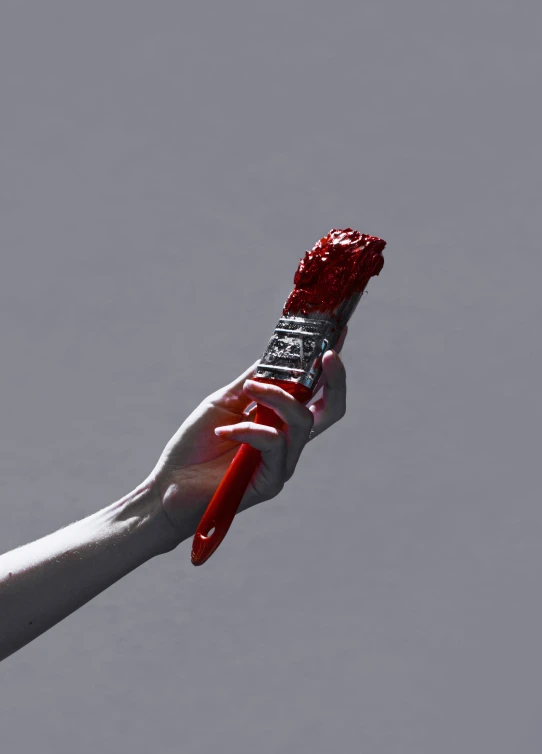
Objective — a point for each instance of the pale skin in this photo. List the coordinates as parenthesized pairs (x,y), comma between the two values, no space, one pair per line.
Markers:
(43,582)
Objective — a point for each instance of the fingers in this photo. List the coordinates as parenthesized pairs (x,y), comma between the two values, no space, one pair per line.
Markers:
(273,446)
(236,385)
(281,450)
(297,418)
(338,348)
(232,396)
(332,405)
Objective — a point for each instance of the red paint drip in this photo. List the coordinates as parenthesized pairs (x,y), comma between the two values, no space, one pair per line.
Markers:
(338,266)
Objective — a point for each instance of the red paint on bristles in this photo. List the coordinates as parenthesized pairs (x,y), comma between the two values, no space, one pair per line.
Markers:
(338,266)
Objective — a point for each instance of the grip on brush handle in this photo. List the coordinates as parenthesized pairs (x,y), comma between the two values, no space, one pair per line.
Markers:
(225,502)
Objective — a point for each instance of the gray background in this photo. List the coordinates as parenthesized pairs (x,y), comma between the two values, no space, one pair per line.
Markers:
(164,166)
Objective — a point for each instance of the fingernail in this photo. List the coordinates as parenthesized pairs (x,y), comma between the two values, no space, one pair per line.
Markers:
(220,430)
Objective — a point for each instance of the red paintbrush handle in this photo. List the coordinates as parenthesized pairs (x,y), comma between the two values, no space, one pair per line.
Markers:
(225,502)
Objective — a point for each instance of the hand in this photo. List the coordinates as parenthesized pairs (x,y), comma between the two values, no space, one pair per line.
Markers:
(195,460)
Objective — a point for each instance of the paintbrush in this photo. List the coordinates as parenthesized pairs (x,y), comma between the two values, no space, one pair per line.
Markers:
(328,285)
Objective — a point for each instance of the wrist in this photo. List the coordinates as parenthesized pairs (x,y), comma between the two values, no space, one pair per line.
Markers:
(142,508)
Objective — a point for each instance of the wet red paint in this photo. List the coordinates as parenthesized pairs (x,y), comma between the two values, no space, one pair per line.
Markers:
(338,266)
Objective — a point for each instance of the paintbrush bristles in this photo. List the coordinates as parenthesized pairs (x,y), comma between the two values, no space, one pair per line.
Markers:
(338,266)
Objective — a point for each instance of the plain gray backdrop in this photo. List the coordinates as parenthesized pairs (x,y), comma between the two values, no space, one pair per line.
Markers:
(163,168)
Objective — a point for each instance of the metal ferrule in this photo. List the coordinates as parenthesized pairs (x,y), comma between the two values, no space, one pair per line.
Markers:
(294,353)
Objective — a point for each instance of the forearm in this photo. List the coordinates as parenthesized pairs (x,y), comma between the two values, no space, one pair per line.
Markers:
(45,581)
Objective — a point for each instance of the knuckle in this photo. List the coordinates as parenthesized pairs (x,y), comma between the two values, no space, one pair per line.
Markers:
(277,438)
(282,439)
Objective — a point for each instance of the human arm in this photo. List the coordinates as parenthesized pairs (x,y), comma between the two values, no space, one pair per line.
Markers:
(45,581)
